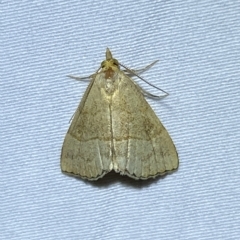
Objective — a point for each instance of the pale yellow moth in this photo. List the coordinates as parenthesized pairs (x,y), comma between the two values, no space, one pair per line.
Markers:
(114,128)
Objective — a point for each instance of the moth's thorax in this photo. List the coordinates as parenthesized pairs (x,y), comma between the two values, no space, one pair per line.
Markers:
(109,73)
(110,70)
(110,85)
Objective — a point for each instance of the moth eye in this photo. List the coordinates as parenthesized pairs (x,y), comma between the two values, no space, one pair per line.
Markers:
(103,64)
(115,63)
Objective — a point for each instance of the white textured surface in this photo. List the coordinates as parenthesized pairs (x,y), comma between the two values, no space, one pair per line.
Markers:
(198,45)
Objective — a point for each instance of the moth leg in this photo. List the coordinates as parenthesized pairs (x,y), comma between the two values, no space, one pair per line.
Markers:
(148,94)
(139,71)
(81,78)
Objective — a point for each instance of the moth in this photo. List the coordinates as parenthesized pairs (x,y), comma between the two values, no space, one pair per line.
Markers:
(114,128)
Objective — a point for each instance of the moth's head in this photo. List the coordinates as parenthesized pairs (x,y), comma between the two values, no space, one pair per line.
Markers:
(110,63)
